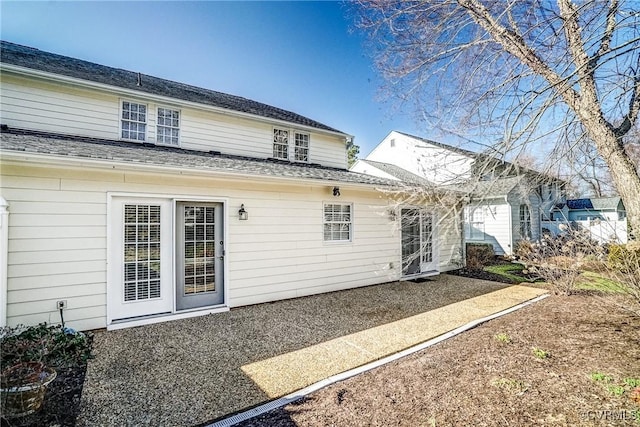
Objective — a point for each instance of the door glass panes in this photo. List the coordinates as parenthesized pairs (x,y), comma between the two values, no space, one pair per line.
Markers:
(199,249)
(410,241)
(427,240)
(141,252)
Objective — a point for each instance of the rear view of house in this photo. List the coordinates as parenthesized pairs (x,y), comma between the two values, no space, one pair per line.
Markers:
(506,203)
(134,199)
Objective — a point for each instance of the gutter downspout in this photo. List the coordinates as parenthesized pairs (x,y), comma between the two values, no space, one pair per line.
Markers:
(4,250)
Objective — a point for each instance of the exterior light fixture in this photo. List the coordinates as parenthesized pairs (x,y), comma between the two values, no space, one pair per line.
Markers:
(243,215)
(392,215)
(336,191)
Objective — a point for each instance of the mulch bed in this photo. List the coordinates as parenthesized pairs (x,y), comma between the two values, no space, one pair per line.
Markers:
(476,379)
(61,404)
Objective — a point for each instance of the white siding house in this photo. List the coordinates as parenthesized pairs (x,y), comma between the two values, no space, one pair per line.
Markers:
(604,218)
(137,200)
(506,203)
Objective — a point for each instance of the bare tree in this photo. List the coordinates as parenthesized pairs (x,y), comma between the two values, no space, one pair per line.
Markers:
(537,76)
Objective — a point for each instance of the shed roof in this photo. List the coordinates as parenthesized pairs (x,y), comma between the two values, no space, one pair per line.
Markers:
(58,146)
(28,57)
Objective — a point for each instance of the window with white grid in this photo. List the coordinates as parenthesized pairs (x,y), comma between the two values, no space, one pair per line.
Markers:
(168,127)
(474,218)
(141,252)
(134,121)
(337,222)
(301,147)
(281,144)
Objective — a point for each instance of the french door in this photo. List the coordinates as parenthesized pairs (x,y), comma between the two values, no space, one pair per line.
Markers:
(199,255)
(165,256)
(418,243)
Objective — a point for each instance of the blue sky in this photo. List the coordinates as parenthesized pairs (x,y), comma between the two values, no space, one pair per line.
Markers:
(300,56)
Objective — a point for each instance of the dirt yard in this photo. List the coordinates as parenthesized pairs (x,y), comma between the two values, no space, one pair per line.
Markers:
(564,361)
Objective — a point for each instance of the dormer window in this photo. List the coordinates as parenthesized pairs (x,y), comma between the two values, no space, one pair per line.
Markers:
(134,121)
(168,129)
(299,151)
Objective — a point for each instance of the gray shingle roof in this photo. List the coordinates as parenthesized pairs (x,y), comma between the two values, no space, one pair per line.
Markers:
(398,172)
(28,57)
(498,187)
(64,146)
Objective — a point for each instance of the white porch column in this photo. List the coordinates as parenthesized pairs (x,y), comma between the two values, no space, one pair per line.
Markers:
(4,251)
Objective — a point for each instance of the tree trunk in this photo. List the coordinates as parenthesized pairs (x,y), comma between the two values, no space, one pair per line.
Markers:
(623,172)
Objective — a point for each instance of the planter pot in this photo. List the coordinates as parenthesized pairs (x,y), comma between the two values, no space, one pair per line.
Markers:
(23,388)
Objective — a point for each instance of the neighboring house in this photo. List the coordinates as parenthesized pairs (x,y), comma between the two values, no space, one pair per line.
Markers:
(604,217)
(135,199)
(505,202)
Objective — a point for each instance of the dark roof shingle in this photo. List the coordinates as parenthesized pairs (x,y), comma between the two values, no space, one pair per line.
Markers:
(65,146)
(28,57)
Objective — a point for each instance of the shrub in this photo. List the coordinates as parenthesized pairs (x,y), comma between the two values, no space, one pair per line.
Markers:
(54,346)
(560,261)
(479,255)
(623,262)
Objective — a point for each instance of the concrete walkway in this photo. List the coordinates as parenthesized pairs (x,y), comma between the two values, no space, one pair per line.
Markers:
(191,371)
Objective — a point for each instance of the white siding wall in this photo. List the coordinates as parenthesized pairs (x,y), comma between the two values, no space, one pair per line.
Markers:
(497,215)
(39,105)
(431,162)
(58,229)
(449,230)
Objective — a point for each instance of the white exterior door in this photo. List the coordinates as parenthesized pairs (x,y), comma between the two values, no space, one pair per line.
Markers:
(419,246)
(141,257)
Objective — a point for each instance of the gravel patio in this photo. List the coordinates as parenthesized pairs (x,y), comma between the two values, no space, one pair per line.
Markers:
(189,372)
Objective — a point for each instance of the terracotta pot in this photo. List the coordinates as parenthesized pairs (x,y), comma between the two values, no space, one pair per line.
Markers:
(23,388)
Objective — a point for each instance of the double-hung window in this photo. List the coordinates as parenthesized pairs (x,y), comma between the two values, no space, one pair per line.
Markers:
(281,144)
(133,121)
(338,220)
(301,147)
(475,222)
(168,126)
(290,145)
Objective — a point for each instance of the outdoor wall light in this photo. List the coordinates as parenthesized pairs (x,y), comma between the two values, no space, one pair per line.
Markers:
(336,191)
(392,215)
(243,215)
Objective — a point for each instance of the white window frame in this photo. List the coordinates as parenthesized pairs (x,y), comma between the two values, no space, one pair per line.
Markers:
(297,147)
(137,122)
(326,222)
(278,133)
(526,230)
(171,127)
(475,216)
(291,146)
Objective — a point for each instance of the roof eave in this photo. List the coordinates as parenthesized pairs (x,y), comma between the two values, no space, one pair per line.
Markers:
(59,160)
